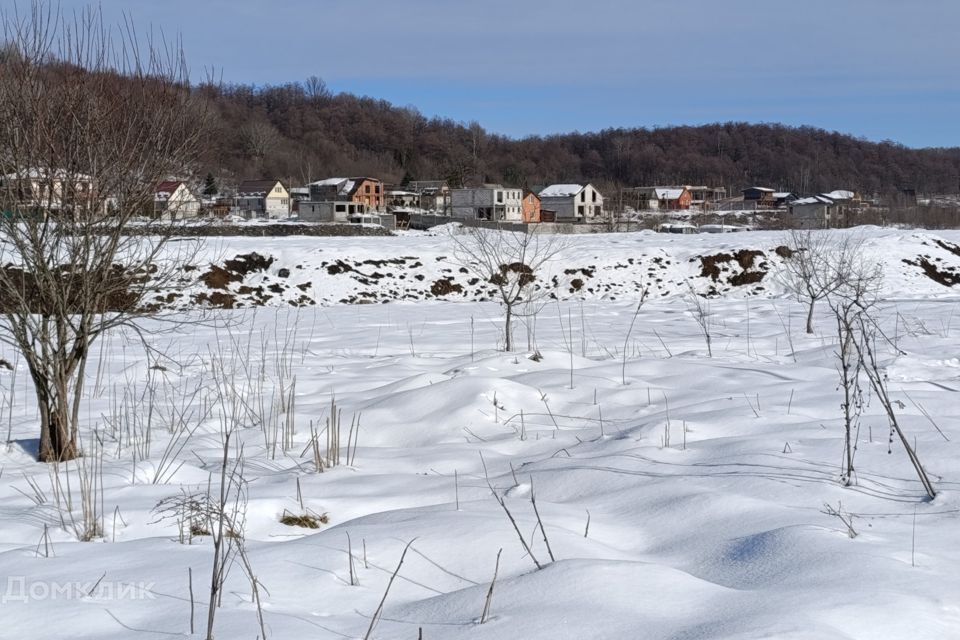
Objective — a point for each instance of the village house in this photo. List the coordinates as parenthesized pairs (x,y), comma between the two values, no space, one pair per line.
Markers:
(823,211)
(701,196)
(530,207)
(173,200)
(402,198)
(298,195)
(783,198)
(490,202)
(361,190)
(48,191)
(263,199)
(434,194)
(671,198)
(759,196)
(573,202)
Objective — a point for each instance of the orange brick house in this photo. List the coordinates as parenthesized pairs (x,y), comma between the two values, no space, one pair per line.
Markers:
(531,207)
(368,191)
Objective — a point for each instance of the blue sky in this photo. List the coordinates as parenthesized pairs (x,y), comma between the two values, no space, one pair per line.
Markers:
(882,69)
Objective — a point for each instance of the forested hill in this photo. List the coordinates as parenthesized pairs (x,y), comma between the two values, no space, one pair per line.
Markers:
(300,131)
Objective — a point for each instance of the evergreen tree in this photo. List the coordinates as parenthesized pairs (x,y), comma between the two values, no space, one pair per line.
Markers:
(210,186)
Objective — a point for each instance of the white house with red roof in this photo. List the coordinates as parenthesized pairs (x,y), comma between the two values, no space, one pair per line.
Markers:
(173,200)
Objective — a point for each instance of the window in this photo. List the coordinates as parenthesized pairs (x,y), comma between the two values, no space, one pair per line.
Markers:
(580,210)
(583,197)
(500,196)
(341,208)
(594,194)
(376,189)
(366,189)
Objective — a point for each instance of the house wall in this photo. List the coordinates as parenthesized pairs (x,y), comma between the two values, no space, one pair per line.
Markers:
(369,192)
(809,216)
(585,206)
(181,204)
(488,203)
(277,202)
(531,208)
(311,211)
(683,202)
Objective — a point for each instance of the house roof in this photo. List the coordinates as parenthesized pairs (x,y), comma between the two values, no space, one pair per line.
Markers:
(344,186)
(668,193)
(562,190)
(839,194)
(168,187)
(780,195)
(762,189)
(257,187)
(813,200)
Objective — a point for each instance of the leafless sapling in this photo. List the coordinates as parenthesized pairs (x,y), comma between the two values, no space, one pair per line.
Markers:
(510,261)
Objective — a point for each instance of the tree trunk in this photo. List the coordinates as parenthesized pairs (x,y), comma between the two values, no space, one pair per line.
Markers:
(508,329)
(810,316)
(57,439)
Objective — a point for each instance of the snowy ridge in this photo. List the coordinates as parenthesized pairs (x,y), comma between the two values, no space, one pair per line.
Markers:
(417,266)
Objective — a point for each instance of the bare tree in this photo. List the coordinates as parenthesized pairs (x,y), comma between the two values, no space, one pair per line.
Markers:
(510,261)
(817,264)
(259,140)
(316,88)
(90,123)
(851,301)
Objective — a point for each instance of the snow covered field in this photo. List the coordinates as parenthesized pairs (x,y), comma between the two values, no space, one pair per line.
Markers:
(704,480)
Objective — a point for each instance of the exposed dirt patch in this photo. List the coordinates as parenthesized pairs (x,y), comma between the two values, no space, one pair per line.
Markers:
(444,287)
(524,271)
(710,265)
(784,251)
(714,267)
(339,267)
(248,263)
(947,277)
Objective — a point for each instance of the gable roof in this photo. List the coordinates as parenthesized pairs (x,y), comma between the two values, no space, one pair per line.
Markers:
(839,194)
(668,193)
(168,186)
(344,186)
(562,190)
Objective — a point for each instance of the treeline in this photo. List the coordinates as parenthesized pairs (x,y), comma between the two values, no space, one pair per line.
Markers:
(302,132)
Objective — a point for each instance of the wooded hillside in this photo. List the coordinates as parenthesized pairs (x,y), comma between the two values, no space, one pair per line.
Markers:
(300,131)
